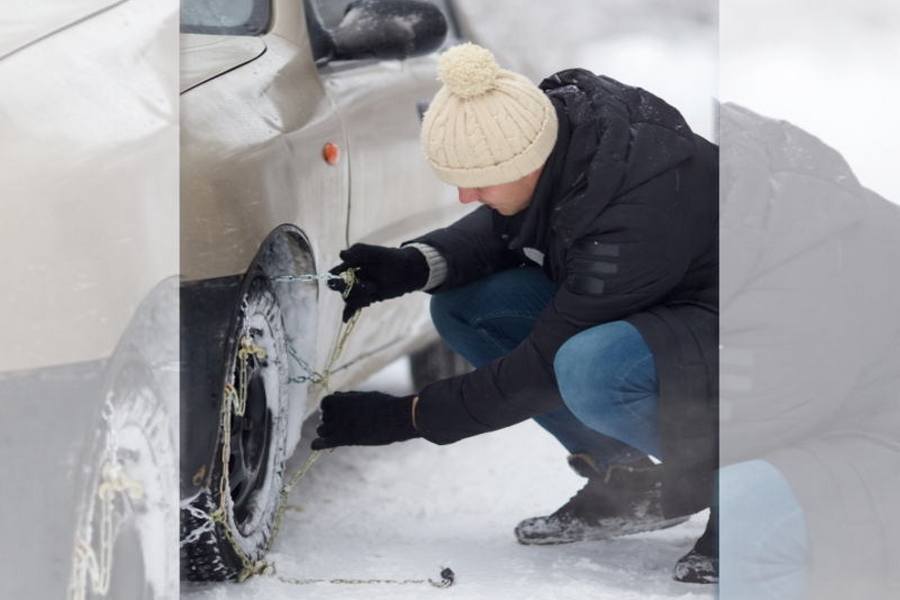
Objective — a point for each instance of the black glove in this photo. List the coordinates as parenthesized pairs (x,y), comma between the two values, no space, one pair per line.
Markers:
(364,419)
(383,273)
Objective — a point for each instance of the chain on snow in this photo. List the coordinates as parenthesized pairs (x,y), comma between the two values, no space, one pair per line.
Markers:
(447,579)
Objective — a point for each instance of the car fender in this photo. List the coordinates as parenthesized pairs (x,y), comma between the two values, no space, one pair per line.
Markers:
(209,308)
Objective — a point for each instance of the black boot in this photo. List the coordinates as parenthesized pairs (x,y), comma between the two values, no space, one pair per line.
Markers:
(701,564)
(621,500)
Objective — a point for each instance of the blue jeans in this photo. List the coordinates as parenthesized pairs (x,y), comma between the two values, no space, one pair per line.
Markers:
(605,374)
(763,547)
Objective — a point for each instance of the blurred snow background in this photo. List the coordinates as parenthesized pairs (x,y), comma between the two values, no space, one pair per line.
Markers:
(828,66)
(668,48)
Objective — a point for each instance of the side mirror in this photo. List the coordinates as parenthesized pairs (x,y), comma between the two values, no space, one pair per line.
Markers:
(388,29)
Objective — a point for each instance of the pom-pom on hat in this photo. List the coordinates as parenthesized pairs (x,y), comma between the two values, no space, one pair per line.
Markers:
(486,125)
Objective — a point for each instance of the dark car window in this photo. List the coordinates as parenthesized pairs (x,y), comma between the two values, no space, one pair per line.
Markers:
(323,15)
(225,17)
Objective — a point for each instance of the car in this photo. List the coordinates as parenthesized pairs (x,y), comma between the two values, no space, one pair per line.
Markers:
(299,137)
(89,366)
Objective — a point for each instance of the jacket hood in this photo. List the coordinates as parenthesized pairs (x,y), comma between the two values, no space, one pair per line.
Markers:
(620,137)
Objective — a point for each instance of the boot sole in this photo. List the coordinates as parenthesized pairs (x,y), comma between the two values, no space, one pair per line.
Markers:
(592,535)
(694,568)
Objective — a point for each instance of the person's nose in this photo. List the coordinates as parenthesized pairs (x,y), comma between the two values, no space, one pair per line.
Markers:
(467,195)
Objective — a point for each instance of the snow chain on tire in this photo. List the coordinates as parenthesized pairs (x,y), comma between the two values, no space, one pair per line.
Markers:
(235,403)
(96,566)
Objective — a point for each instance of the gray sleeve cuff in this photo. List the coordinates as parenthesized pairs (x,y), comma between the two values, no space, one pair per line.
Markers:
(437,265)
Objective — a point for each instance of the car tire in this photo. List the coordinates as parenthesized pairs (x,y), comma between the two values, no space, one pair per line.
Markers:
(256,447)
(435,362)
(133,454)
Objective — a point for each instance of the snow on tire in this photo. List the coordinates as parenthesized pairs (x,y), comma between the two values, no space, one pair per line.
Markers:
(257,451)
(123,518)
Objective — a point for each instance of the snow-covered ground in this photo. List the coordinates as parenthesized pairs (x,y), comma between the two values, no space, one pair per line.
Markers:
(405,511)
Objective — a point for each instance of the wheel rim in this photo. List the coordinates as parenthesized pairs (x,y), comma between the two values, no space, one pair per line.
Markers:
(255,436)
(250,437)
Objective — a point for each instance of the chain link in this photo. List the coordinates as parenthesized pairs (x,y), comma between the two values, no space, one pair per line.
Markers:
(313,277)
(209,526)
(91,565)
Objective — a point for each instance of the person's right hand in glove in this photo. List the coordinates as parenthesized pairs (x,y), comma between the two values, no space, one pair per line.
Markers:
(382,273)
(365,419)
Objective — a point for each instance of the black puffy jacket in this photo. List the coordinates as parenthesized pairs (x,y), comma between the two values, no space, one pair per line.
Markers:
(626,215)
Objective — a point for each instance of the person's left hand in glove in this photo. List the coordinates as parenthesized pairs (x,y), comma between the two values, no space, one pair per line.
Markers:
(365,419)
(384,273)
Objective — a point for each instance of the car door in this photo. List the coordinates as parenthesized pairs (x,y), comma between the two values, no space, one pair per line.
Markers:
(394,195)
(393,192)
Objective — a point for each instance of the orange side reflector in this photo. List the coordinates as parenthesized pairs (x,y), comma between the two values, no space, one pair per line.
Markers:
(331,153)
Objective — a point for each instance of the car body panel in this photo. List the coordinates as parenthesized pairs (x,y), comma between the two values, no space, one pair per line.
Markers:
(393,195)
(206,56)
(88,147)
(251,151)
(34,21)
(390,179)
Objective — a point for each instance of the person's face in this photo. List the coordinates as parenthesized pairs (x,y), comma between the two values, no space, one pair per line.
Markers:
(506,198)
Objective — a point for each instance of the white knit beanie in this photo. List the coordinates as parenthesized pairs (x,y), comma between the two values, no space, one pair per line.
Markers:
(486,125)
